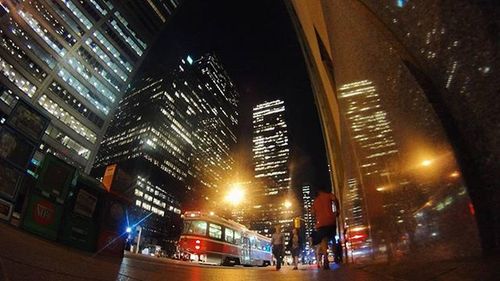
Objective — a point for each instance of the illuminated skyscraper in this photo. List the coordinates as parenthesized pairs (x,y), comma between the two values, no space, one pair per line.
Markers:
(73,60)
(370,127)
(172,136)
(308,217)
(271,154)
(215,133)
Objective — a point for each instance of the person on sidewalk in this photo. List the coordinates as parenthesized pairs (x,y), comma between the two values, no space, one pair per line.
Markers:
(277,242)
(295,244)
(326,220)
(314,241)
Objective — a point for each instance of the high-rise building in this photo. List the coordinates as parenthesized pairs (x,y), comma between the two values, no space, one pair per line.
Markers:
(376,153)
(164,130)
(215,132)
(309,220)
(73,60)
(370,128)
(271,153)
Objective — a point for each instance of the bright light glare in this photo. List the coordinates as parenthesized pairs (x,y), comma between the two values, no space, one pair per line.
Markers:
(455,174)
(426,163)
(129,229)
(380,188)
(235,195)
(288,204)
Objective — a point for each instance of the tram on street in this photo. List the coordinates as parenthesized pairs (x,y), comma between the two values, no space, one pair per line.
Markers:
(211,239)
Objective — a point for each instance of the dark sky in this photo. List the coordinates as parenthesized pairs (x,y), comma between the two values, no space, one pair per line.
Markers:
(257,45)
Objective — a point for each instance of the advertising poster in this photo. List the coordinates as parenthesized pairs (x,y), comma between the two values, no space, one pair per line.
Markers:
(28,121)
(10,180)
(14,149)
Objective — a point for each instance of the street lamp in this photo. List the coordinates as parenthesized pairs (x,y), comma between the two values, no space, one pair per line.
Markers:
(287,204)
(426,163)
(235,195)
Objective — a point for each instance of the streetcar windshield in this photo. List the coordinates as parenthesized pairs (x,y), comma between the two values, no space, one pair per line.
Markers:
(195,227)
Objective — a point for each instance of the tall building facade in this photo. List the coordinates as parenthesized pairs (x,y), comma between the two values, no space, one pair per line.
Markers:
(73,60)
(165,132)
(376,152)
(215,132)
(309,219)
(403,77)
(271,154)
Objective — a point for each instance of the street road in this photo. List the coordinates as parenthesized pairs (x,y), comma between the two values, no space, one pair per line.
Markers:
(26,257)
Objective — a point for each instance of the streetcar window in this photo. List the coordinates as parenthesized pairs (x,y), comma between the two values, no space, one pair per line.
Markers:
(197,228)
(187,224)
(215,231)
(237,237)
(229,235)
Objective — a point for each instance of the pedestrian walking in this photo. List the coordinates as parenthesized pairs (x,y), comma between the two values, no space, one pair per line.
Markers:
(277,242)
(323,208)
(295,243)
(315,243)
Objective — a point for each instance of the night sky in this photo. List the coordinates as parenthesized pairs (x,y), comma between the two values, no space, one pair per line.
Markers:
(257,45)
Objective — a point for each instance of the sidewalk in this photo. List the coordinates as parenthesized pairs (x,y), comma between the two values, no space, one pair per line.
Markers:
(462,270)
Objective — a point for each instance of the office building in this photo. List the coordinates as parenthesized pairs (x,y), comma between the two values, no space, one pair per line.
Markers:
(309,219)
(271,153)
(73,60)
(164,130)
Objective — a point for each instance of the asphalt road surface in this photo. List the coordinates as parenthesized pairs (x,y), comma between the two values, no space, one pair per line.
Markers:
(26,257)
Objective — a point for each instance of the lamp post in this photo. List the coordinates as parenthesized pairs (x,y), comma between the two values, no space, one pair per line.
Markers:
(138,239)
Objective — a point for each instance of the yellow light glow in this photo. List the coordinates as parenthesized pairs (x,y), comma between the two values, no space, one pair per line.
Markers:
(380,188)
(426,163)
(235,195)
(455,174)
(287,204)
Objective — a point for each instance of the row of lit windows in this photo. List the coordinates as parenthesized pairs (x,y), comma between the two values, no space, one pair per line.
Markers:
(106,59)
(16,78)
(22,58)
(78,14)
(90,78)
(68,142)
(64,116)
(99,68)
(31,44)
(82,90)
(58,28)
(43,33)
(111,48)
(58,90)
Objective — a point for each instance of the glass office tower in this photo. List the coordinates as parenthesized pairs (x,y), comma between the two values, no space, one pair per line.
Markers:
(73,60)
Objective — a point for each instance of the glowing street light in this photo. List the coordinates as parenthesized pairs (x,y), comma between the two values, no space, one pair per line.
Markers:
(455,174)
(426,163)
(287,204)
(235,195)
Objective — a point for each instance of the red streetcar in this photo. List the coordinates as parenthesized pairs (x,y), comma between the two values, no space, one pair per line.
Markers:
(209,238)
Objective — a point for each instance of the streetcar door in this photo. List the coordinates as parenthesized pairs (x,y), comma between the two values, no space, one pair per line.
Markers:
(245,252)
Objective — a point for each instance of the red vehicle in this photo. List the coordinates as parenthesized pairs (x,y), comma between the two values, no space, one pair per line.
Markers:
(209,238)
